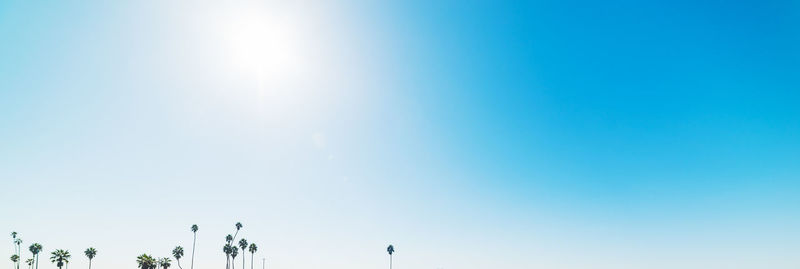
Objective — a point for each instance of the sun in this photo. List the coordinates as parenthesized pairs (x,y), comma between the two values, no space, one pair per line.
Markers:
(272,46)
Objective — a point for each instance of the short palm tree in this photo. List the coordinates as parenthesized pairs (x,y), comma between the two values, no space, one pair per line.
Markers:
(243,247)
(234,253)
(60,257)
(15,259)
(90,253)
(253,248)
(390,249)
(29,262)
(35,249)
(165,263)
(178,254)
(146,261)
(194,239)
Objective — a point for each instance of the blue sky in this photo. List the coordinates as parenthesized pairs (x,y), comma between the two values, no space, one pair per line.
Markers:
(470,134)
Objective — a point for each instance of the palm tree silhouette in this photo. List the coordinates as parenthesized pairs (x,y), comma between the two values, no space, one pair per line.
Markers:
(14,242)
(243,247)
(390,249)
(238,227)
(29,262)
(165,263)
(17,248)
(60,257)
(90,253)
(253,249)
(178,254)
(227,249)
(15,259)
(36,248)
(194,239)
(234,253)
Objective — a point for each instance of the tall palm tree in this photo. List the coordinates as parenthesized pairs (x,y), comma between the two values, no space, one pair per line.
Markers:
(17,248)
(60,257)
(253,248)
(238,227)
(14,241)
(35,249)
(234,253)
(146,261)
(390,249)
(165,263)
(178,254)
(90,253)
(243,247)
(194,239)
(227,249)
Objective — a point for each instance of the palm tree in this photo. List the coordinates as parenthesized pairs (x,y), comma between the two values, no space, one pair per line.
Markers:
(243,247)
(238,227)
(234,253)
(146,261)
(227,249)
(17,248)
(29,262)
(178,254)
(194,239)
(165,263)
(15,259)
(60,257)
(14,241)
(229,242)
(35,249)
(253,249)
(390,249)
(90,253)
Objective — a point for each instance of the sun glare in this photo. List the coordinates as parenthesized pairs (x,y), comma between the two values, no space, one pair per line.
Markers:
(274,48)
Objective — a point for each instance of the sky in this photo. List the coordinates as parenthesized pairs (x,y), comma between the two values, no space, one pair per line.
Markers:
(468,134)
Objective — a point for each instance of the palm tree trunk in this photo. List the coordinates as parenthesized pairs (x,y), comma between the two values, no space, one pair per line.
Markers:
(251,260)
(194,239)
(243,253)
(90,263)
(390,261)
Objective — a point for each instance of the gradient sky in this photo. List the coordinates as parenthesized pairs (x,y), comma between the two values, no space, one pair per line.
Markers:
(469,134)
